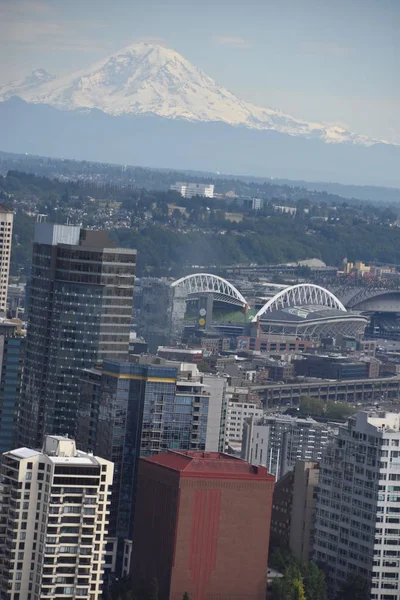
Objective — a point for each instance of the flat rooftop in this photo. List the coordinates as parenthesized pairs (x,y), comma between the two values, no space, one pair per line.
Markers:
(218,465)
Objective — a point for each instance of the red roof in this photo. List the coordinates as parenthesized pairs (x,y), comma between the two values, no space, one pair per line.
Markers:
(209,464)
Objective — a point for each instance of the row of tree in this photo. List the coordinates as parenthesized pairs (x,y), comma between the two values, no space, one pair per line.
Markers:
(301,580)
(311,406)
(306,581)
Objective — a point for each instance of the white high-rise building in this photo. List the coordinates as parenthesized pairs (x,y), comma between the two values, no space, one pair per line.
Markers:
(358,508)
(53,522)
(6,226)
(189,190)
(277,442)
(239,408)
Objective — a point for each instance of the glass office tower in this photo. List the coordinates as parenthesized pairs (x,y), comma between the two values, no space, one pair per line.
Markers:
(130,410)
(79,312)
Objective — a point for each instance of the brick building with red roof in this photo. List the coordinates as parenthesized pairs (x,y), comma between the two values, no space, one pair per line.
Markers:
(201,526)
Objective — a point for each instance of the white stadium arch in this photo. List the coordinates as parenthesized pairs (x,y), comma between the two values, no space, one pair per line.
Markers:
(203,283)
(300,295)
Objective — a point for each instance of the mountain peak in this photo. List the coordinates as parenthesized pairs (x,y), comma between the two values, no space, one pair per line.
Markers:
(151,79)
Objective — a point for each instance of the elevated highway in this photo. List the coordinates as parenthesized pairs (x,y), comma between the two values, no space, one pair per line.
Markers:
(364,391)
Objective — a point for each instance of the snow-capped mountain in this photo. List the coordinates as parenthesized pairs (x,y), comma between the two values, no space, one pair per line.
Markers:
(28,85)
(146,79)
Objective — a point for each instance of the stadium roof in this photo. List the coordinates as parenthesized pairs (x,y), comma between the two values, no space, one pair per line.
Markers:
(302,314)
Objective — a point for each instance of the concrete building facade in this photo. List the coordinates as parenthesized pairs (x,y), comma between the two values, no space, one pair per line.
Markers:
(293,509)
(277,442)
(193,530)
(54,514)
(6,227)
(281,516)
(239,408)
(305,485)
(358,522)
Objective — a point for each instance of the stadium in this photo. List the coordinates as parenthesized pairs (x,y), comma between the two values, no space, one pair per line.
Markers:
(307,311)
(207,303)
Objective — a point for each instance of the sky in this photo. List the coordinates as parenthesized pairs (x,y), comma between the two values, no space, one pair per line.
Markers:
(330,61)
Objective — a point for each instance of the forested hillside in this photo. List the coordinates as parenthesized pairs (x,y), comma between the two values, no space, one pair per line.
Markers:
(172,233)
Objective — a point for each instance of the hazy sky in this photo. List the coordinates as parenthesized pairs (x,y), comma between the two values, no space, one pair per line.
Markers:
(333,61)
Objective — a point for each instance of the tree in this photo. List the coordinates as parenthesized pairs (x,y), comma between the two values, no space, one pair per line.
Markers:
(356,587)
(186,596)
(314,581)
(339,410)
(313,578)
(298,590)
(311,406)
(290,586)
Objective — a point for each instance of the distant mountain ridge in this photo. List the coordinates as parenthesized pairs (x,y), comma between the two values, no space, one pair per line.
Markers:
(147,79)
(190,145)
(161,179)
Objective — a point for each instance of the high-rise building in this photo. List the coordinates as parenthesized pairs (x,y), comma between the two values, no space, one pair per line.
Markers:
(12,347)
(6,226)
(202,526)
(293,509)
(129,410)
(358,516)
(215,385)
(282,511)
(152,311)
(240,407)
(277,442)
(54,507)
(306,477)
(80,307)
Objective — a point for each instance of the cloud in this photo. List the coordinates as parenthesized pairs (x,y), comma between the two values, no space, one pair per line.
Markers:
(233,41)
(31,24)
(13,8)
(322,48)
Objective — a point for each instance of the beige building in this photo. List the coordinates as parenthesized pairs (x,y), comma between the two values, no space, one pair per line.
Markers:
(240,406)
(53,522)
(6,226)
(301,537)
